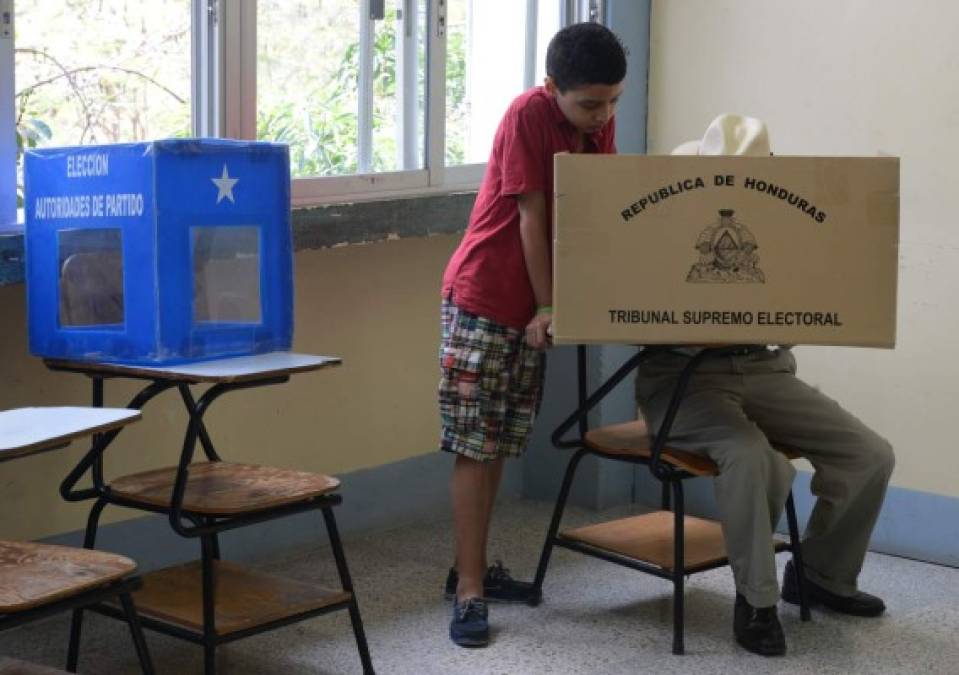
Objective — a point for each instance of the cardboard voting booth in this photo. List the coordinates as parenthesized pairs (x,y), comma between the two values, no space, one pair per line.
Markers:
(713,250)
(160,252)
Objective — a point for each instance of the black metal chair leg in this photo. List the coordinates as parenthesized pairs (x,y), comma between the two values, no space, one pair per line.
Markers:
(362,647)
(666,500)
(679,567)
(76,622)
(556,519)
(93,521)
(208,548)
(214,538)
(209,659)
(347,584)
(73,650)
(795,546)
(136,632)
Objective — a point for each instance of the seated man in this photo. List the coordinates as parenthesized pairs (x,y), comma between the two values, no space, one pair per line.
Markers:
(734,408)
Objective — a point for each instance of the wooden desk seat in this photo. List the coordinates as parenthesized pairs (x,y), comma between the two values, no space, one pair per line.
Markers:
(649,537)
(10,666)
(33,575)
(246,598)
(632,438)
(225,488)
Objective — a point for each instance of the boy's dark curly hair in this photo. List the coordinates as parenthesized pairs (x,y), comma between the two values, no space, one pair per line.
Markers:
(585,54)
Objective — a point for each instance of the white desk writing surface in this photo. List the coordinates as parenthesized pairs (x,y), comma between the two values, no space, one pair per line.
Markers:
(235,369)
(24,431)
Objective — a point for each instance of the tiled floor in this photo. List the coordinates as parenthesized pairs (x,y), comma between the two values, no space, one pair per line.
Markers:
(596,618)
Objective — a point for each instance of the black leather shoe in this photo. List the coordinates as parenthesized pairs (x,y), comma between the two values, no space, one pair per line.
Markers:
(498,586)
(758,629)
(858,604)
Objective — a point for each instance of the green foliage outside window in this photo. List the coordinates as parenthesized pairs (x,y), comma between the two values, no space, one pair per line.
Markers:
(74,90)
(31,132)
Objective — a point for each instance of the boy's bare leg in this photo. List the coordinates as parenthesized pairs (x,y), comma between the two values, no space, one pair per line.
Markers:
(493,475)
(473,487)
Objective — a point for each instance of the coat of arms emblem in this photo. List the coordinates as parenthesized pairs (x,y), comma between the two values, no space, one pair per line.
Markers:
(727,254)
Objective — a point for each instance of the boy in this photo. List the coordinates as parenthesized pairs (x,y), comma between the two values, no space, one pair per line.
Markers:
(734,409)
(497,292)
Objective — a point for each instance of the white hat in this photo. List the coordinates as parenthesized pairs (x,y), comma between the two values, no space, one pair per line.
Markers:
(730,135)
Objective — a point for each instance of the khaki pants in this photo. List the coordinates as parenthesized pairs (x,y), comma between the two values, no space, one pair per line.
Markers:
(733,409)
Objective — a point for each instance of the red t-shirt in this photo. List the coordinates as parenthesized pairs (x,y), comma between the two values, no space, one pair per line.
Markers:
(487,273)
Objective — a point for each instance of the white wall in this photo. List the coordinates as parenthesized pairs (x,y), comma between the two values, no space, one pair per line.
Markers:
(847,78)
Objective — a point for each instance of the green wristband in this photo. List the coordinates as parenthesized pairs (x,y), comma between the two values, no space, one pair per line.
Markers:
(545,309)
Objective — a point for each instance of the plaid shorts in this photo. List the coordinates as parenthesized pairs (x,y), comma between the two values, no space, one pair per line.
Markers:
(491,386)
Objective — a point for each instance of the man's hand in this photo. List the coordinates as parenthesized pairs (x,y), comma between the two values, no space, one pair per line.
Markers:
(538,331)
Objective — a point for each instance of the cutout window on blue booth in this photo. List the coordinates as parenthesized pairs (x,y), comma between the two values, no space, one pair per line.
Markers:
(226,279)
(160,252)
(91,278)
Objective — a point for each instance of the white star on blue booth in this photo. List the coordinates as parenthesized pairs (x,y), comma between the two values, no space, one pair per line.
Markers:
(225,186)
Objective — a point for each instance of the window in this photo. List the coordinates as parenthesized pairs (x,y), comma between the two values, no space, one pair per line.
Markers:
(333,85)
(379,97)
(226,274)
(485,61)
(374,97)
(495,50)
(109,71)
(8,148)
(91,278)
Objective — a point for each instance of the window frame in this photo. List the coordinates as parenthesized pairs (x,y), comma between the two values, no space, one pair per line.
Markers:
(11,218)
(223,99)
(435,177)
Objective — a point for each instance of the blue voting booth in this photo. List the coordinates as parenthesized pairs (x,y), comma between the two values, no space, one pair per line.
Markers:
(161,252)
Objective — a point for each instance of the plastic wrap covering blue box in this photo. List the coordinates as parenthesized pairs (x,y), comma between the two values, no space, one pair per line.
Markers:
(160,252)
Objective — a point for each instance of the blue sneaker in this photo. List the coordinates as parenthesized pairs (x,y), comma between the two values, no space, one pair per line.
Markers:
(469,627)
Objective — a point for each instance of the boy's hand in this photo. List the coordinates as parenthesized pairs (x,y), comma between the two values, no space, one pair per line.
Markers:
(538,331)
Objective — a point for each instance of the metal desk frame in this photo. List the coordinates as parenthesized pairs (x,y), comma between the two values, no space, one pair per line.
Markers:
(193,525)
(669,476)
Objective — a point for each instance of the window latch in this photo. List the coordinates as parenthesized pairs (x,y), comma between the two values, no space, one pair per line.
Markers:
(441,18)
(407,17)
(377,10)
(6,19)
